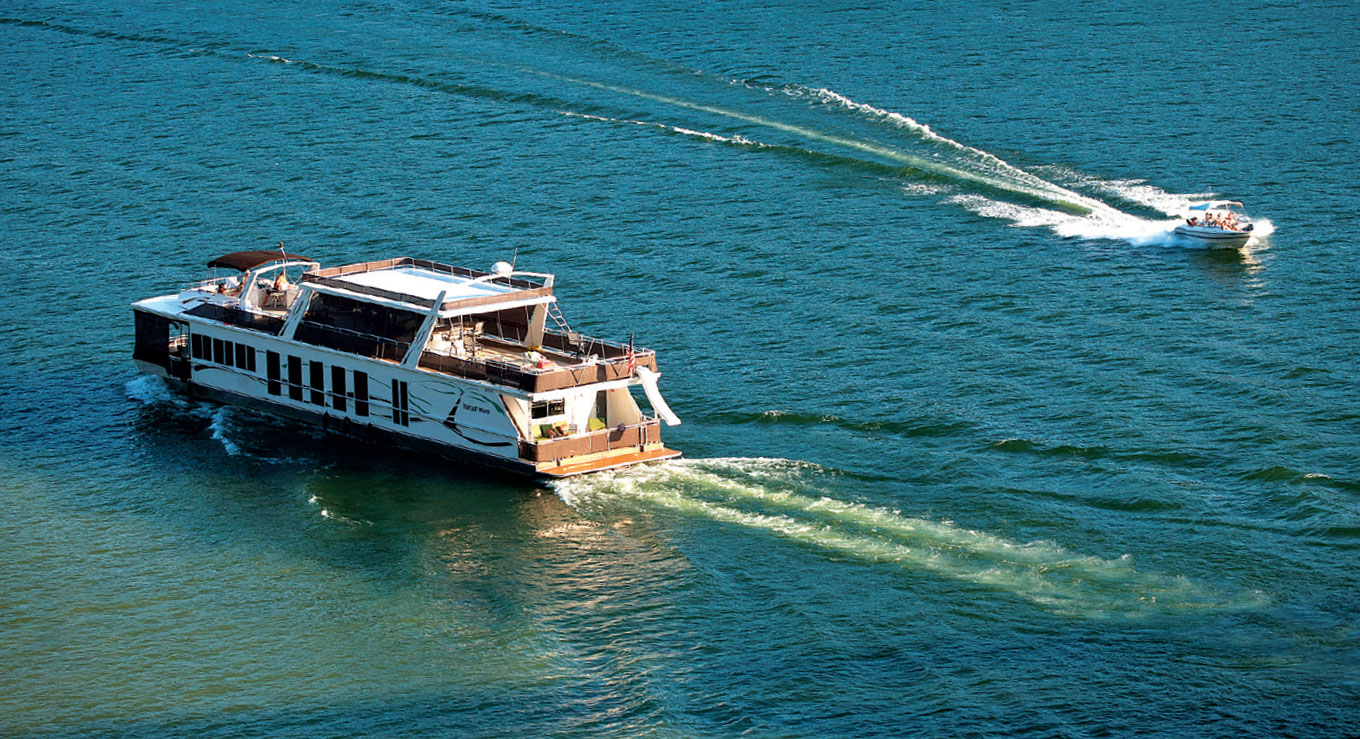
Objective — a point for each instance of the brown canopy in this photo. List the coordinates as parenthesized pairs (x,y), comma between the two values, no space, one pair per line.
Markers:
(247,260)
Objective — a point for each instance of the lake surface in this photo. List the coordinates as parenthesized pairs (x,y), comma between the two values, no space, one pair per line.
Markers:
(973,447)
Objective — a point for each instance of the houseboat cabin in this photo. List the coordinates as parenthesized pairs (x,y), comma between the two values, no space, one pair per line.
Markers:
(468,364)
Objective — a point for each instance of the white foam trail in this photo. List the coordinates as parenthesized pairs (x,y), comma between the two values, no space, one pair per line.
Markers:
(767,495)
(738,140)
(330,515)
(923,188)
(903,121)
(224,422)
(220,430)
(1123,228)
(1030,186)
(1098,221)
(153,391)
(150,390)
(1101,222)
(995,163)
(1263,228)
(271,58)
(1138,191)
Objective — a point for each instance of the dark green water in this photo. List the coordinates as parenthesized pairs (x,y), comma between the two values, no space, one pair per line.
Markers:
(973,446)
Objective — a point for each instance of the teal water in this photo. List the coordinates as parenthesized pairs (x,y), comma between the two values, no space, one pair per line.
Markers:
(973,446)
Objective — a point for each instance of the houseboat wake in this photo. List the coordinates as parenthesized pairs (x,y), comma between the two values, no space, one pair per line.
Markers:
(794,501)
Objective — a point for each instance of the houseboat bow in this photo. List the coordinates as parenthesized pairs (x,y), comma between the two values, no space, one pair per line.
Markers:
(456,361)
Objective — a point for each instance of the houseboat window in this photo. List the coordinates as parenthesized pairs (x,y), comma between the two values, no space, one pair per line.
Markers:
(241,356)
(271,368)
(549,408)
(338,387)
(250,358)
(357,327)
(229,358)
(360,393)
(219,351)
(196,345)
(511,323)
(400,414)
(294,378)
(317,373)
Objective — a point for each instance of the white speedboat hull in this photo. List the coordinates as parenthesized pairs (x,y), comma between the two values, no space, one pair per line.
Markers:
(1215,238)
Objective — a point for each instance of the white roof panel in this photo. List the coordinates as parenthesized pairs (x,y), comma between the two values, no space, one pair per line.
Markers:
(427,284)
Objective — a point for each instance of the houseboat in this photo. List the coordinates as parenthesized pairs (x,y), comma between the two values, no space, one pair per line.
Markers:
(476,366)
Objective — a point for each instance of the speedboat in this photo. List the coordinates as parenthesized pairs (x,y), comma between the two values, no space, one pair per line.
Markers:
(1218,224)
(474,370)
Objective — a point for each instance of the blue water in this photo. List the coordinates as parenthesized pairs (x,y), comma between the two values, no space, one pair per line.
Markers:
(973,446)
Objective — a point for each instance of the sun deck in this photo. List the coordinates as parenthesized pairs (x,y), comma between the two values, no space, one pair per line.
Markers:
(415,284)
(485,327)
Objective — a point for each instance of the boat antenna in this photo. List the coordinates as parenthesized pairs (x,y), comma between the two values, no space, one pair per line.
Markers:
(514,258)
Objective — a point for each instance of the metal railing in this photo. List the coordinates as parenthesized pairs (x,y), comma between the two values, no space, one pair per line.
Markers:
(490,370)
(353,342)
(533,379)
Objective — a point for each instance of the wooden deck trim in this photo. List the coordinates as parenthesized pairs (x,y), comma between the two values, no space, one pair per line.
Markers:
(521,294)
(609,461)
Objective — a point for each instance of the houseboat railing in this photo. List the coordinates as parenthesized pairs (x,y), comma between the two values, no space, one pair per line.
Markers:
(534,379)
(551,450)
(381,264)
(490,370)
(236,316)
(349,340)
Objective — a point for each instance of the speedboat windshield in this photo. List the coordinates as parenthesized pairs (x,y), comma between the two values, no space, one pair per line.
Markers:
(1218,206)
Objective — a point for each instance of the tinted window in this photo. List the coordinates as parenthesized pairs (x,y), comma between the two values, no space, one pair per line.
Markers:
(338,388)
(546,408)
(360,393)
(318,383)
(271,364)
(295,378)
